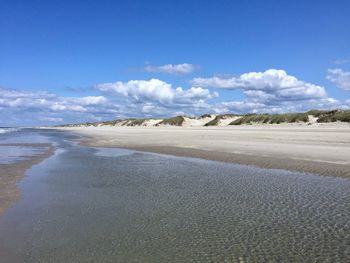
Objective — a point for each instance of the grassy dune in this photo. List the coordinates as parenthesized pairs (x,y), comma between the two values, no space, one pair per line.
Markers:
(135,122)
(217,119)
(332,116)
(175,121)
(273,119)
(319,116)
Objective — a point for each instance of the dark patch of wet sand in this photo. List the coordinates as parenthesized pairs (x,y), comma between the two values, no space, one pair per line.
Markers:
(13,172)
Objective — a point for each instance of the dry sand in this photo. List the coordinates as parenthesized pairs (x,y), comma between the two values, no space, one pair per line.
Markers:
(11,173)
(322,149)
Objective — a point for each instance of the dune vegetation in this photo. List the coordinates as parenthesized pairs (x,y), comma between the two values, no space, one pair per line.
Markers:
(175,121)
(332,116)
(217,119)
(134,122)
(271,118)
(309,117)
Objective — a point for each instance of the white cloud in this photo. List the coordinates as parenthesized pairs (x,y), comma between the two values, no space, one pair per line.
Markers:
(184,68)
(46,107)
(135,98)
(238,106)
(50,119)
(140,90)
(16,94)
(280,107)
(271,84)
(148,108)
(151,110)
(272,91)
(339,77)
(157,91)
(64,106)
(92,100)
(39,100)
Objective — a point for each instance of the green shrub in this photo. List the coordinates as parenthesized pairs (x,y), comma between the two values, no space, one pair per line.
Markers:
(321,113)
(338,115)
(237,121)
(175,121)
(214,121)
(112,123)
(297,117)
(205,116)
(135,122)
(268,118)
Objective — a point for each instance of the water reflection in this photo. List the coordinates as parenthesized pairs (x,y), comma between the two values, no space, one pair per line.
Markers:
(84,206)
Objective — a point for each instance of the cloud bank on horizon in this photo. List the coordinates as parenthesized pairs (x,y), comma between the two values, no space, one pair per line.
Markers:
(271,91)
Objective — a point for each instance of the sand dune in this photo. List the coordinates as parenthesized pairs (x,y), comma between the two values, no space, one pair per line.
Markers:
(312,117)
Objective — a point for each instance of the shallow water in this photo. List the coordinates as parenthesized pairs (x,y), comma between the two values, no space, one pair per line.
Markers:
(110,205)
(10,154)
(8,129)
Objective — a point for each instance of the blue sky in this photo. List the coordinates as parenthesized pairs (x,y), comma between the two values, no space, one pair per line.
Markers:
(74,61)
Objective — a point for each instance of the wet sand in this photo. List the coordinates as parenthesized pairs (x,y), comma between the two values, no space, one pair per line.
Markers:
(11,173)
(321,149)
(157,208)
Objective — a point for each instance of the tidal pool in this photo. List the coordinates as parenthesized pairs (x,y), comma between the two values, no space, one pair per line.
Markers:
(92,205)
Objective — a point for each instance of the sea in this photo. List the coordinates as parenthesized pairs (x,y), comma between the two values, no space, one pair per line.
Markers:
(87,204)
(14,145)
(8,129)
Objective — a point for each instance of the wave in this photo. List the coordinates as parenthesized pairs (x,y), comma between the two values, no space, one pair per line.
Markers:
(7,130)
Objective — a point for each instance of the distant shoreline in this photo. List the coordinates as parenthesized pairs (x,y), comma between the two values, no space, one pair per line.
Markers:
(322,150)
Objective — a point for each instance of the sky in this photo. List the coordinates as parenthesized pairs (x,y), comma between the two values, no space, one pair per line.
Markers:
(77,61)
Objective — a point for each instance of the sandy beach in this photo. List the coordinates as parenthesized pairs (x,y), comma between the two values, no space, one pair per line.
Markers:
(321,149)
(13,172)
(86,204)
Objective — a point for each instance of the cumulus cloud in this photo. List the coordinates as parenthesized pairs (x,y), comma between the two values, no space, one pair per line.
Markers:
(269,85)
(271,91)
(44,100)
(339,77)
(148,108)
(46,107)
(91,100)
(135,98)
(184,68)
(238,106)
(245,106)
(152,110)
(157,91)
(139,90)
